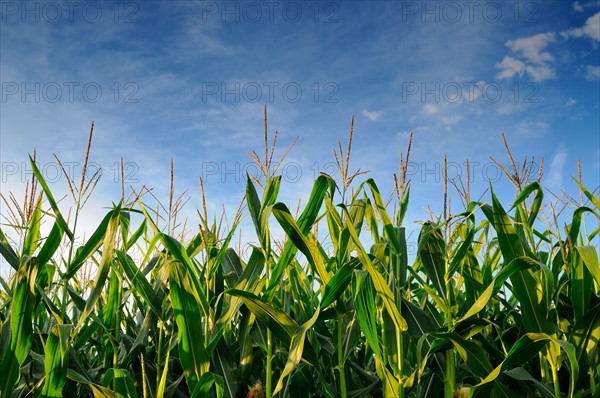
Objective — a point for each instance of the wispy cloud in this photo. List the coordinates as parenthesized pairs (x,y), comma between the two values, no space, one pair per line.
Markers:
(532,48)
(536,60)
(590,29)
(570,102)
(509,67)
(448,120)
(430,109)
(555,176)
(530,128)
(592,72)
(372,115)
(582,6)
(533,58)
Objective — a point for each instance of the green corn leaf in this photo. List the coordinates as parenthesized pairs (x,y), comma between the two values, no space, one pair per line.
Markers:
(196,244)
(400,262)
(582,282)
(180,254)
(521,374)
(430,386)
(440,302)
(32,237)
(390,383)
(195,360)
(516,265)
(585,337)
(139,282)
(121,381)
(462,254)
(97,390)
(529,345)
(306,246)
(51,307)
(364,300)
(51,244)
(280,323)
(420,327)
(364,392)
(253,202)
(51,201)
(271,191)
(296,349)
(232,267)
(537,201)
(387,222)
(105,263)
(8,253)
(160,390)
(521,352)
(593,198)
(313,206)
(590,259)
(304,225)
(110,307)
(136,235)
(21,329)
(269,197)
(216,265)
(205,385)
(248,281)
(223,360)
(526,287)
(91,246)
(124,221)
(576,223)
(432,251)
(378,281)
(337,285)
(476,359)
(56,361)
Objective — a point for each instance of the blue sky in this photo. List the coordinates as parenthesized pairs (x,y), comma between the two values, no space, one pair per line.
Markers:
(188,80)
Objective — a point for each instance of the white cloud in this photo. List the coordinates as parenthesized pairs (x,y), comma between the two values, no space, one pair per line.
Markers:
(509,67)
(540,72)
(511,107)
(570,102)
(591,29)
(372,115)
(555,176)
(529,128)
(448,120)
(532,47)
(430,109)
(580,7)
(536,63)
(592,72)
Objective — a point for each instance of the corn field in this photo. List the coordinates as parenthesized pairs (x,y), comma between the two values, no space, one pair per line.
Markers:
(500,300)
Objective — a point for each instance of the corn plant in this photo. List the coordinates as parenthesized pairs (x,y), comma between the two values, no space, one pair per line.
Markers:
(499,300)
